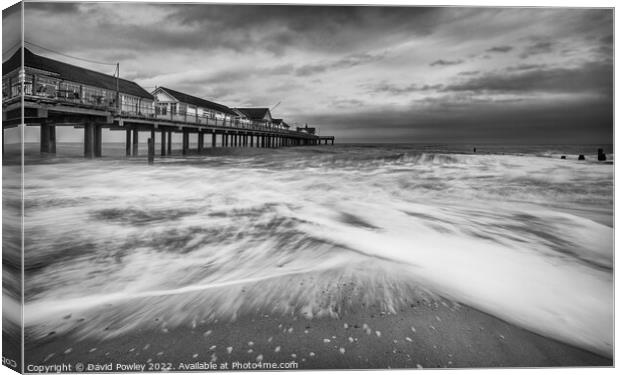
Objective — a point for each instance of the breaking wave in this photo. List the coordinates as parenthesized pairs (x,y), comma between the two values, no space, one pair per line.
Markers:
(112,245)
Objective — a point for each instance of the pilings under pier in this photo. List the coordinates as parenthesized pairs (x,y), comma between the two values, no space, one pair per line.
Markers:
(219,138)
(48,138)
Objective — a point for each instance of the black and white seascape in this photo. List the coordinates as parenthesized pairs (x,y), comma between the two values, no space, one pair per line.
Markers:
(451,224)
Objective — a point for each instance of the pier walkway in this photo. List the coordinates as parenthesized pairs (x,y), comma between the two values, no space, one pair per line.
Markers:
(48,114)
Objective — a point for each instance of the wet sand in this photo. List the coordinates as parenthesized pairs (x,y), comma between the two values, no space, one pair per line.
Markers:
(423,334)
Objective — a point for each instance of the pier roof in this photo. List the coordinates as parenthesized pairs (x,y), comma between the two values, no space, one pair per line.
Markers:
(199,102)
(74,73)
(255,113)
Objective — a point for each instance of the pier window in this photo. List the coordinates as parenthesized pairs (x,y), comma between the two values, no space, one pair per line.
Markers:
(6,88)
(145,107)
(69,90)
(129,104)
(45,86)
(93,95)
(161,109)
(173,108)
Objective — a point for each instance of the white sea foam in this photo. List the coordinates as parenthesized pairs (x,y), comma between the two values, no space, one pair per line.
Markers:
(119,244)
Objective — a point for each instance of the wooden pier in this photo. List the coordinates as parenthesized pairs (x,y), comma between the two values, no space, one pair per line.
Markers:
(49,93)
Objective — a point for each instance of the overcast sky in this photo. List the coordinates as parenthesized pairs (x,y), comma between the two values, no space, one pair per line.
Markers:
(404,74)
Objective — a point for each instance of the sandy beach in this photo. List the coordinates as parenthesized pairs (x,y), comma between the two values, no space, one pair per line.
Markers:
(425,334)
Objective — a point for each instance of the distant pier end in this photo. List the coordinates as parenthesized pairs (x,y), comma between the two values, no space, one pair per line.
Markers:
(60,94)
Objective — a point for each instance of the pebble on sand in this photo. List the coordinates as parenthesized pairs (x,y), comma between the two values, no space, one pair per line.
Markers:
(378,333)
(290,330)
(250,343)
(250,350)
(92,350)
(229,349)
(213,347)
(277,349)
(413,329)
(341,350)
(68,351)
(326,340)
(294,355)
(312,354)
(346,326)
(259,358)
(350,339)
(207,333)
(418,365)
(195,355)
(408,339)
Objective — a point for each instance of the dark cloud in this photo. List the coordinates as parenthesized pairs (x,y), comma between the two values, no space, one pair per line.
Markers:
(345,62)
(469,73)
(522,67)
(500,49)
(442,62)
(11,35)
(52,7)
(537,48)
(328,28)
(394,89)
(590,77)
(608,39)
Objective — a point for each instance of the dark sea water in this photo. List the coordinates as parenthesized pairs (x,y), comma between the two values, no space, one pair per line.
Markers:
(511,230)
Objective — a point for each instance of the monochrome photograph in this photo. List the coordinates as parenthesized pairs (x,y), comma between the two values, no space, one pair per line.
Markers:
(213,186)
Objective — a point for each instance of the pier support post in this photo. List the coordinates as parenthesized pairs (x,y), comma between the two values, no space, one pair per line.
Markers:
(251,140)
(44,131)
(163,143)
(134,141)
(52,131)
(201,141)
(153,139)
(213,139)
(48,138)
(98,140)
(151,148)
(128,142)
(169,142)
(89,140)
(185,141)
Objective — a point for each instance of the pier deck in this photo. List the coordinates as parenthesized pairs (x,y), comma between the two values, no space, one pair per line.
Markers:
(50,113)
